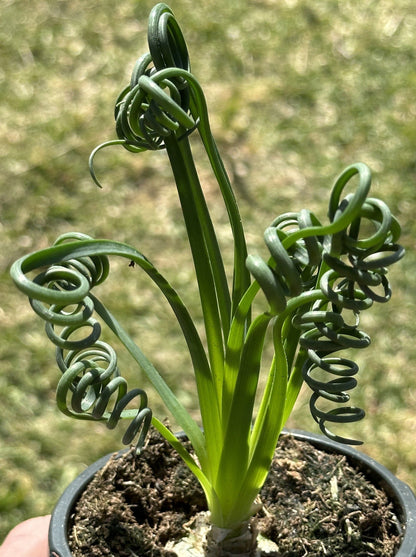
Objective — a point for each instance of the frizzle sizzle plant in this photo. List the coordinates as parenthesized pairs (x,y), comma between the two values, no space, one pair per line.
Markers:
(317,281)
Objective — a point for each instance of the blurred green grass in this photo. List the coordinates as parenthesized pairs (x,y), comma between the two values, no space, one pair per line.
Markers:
(297,90)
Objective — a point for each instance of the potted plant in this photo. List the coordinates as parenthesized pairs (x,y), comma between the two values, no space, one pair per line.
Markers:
(317,280)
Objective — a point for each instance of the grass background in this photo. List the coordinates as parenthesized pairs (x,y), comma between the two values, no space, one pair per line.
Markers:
(297,90)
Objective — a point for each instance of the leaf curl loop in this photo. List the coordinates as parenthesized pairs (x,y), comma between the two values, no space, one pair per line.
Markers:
(90,387)
(346,260)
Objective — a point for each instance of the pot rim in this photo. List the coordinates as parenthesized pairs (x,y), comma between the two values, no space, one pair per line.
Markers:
(400,493)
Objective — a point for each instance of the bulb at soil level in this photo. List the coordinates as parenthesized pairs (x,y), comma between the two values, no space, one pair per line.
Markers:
(192,545)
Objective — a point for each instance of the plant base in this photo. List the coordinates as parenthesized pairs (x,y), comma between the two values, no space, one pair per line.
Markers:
(207,540)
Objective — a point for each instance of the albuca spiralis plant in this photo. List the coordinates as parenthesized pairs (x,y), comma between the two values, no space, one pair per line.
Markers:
(318,279)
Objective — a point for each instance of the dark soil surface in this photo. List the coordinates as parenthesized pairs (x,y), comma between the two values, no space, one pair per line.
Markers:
(314,504)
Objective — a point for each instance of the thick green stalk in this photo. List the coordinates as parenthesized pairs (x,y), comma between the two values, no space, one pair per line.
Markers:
(209,270)
(237,420)
(199,110)
(210,277)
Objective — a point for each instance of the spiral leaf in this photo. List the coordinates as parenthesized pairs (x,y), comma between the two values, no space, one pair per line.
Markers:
(91,387)
(350,272)
(289,271)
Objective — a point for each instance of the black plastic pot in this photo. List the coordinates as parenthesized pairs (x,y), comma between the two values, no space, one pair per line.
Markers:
(398,491)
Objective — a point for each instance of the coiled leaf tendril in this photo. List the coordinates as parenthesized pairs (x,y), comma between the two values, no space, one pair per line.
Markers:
(90,387)
(350,271)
